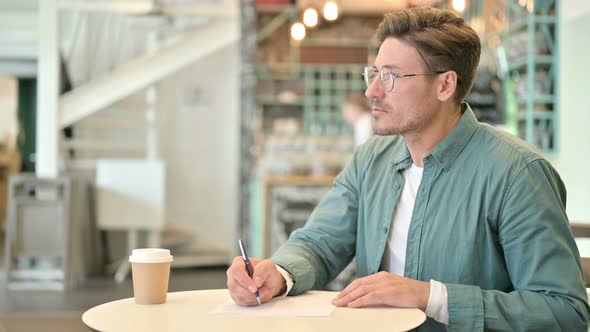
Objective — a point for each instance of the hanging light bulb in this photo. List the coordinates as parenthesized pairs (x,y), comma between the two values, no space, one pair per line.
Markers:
(530,6)
(298,31)
(459,5)
(310,17)
(331,11)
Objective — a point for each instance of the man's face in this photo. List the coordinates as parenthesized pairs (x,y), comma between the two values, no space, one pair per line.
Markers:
(412,104)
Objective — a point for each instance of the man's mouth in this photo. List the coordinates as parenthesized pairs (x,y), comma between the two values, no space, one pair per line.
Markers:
(377,107)
(377,110)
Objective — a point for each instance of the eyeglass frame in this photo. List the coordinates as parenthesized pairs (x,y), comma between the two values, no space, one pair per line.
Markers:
(392,75)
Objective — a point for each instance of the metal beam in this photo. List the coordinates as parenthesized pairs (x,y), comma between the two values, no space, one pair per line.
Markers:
(145,70)
(18,68)
(286,15)
(114,6)
(225,8)
(110,145)
(48,91)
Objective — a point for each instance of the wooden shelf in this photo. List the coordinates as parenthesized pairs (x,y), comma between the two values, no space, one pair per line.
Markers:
(580,229)
(271,8)
(299,180)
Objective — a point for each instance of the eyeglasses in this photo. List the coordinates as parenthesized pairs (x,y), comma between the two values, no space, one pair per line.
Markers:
(387,77)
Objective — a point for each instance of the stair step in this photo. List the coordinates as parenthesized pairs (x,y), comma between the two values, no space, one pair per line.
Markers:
(110,123)
(102,145)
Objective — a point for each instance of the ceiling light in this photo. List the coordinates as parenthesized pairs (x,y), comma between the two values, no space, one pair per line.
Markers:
(310,17)
(331,11)
(298,31)
(459,5)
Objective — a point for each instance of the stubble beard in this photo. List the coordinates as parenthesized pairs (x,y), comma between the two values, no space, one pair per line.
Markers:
(384,118)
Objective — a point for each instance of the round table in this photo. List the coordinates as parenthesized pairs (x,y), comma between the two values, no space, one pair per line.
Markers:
(191,311)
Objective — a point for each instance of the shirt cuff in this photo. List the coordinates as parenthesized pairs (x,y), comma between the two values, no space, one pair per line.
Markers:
(288,279)
(438,303)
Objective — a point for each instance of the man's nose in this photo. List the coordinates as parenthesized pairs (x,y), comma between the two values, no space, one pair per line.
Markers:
(374,90)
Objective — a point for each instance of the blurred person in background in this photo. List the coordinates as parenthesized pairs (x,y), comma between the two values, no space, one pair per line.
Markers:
(356,112)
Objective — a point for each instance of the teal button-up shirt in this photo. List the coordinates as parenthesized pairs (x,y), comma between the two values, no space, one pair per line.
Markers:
(489,222)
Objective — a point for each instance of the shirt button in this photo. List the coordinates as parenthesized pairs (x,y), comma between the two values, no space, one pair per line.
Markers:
(396,187)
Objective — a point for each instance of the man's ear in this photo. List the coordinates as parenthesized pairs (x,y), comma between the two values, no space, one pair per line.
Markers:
(447,85)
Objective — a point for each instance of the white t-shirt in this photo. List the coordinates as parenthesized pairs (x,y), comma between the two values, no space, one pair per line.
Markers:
(394,257)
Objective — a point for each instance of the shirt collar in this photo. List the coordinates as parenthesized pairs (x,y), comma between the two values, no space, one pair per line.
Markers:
(447,151)
(402,157)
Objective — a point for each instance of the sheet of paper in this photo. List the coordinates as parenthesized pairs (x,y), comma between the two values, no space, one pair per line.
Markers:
(310,304)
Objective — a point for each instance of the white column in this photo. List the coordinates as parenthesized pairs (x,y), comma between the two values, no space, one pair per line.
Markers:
(151,96)
(47,91)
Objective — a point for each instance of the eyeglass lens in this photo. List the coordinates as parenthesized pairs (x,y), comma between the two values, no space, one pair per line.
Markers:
(386,77)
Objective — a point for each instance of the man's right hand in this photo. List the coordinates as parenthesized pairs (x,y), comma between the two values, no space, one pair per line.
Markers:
(266,279)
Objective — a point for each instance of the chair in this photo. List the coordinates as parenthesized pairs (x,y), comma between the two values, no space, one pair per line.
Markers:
(38,233)
(130,197)
(582,230)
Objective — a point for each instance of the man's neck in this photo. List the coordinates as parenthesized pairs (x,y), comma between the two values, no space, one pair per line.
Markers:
(421,143)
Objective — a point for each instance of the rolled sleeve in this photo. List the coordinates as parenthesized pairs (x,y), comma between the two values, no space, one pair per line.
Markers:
(437,307)
(288,279)
(466,310)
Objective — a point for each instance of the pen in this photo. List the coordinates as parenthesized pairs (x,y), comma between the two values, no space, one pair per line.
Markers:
(248,266)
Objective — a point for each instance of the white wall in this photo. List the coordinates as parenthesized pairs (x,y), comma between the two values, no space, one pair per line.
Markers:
(200,144)
(573,158)
(571,9)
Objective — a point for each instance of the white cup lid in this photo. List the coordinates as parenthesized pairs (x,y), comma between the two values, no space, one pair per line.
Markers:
(150,255)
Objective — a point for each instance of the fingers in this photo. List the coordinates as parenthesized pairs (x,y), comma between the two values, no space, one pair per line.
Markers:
(268,279)
(241,287)
(384,289)
(237,271)
(371,298)
(262,271)
(344,293)
(241,295)
(359,288)
(265,294)
(354,295)
(354,285)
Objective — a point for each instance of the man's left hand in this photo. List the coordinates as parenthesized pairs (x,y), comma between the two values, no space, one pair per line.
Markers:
(384,289)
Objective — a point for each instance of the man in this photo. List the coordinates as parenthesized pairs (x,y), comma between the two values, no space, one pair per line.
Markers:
(465,222)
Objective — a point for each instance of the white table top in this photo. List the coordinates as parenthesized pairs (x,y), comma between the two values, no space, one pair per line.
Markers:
(190,311)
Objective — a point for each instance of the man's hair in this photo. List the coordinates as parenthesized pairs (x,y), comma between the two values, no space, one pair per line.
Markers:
(443,40)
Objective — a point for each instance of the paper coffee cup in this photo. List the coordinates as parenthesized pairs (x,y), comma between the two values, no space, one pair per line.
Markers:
(150,269)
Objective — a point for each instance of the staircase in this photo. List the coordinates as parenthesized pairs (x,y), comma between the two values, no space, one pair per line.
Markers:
(114,61)
(113,110)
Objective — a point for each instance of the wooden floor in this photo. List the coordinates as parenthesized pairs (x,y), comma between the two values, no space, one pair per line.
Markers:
(49,311)
(57,322)
(56,311)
